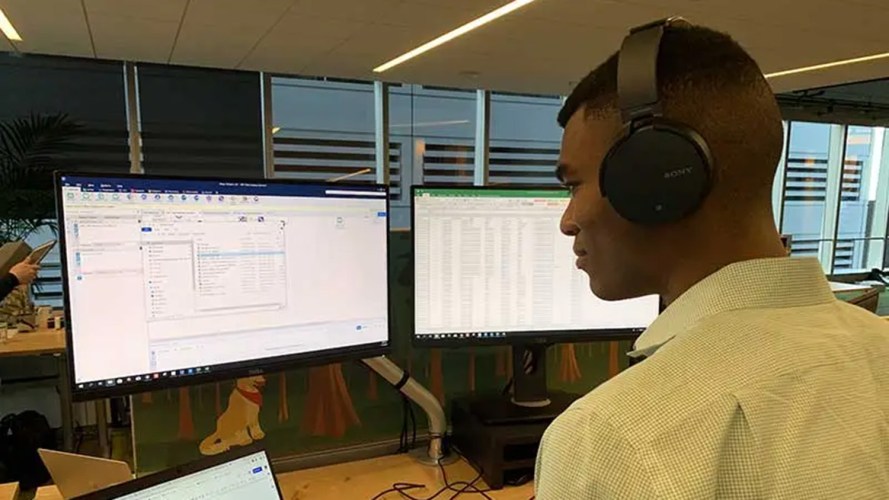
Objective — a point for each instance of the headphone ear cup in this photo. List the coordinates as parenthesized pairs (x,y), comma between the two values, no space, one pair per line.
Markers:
(656,174)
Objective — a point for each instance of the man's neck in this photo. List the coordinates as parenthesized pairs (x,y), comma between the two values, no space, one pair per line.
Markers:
(712,257)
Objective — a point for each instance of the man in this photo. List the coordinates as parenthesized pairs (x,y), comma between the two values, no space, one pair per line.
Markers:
(23,273)
(757,382)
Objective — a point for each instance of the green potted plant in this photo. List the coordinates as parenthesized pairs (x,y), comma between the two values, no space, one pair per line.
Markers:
(30,150)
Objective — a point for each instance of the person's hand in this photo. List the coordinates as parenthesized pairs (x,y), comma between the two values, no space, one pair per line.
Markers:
(25,271)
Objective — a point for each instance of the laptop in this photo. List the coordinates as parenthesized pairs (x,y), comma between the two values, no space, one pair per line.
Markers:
(76,475)
(240,474)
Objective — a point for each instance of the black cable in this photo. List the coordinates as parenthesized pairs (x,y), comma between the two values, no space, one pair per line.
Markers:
(466,487)
(471,487)
(403,445)
(397,488)
(413,423)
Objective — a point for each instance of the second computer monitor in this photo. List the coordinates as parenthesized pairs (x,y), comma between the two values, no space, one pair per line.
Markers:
(491,266)
(173,281)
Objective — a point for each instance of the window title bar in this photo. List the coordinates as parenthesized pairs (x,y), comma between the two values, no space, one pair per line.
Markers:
(209,187)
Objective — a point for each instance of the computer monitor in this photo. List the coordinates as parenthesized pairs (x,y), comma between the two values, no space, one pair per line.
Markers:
(492,267)
(235,475)
(174,281)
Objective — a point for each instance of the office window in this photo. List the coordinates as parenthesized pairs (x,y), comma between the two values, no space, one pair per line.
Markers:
(92,94)
(805,186)
(203,122)
(860,233)
(435,131)
(324,130)
(525,140)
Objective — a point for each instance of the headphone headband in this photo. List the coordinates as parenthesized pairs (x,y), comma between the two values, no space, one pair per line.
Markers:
(637,85)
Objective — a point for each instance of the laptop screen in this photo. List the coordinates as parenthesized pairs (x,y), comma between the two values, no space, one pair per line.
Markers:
(249,476)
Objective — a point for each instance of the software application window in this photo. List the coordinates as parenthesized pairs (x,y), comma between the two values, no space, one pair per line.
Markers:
(489,260)
(196,274)
(249,477)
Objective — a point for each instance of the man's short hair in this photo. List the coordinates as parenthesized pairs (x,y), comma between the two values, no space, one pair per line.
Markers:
(709,82)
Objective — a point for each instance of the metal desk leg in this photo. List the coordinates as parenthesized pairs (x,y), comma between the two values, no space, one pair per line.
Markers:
(102,427)
(67,410)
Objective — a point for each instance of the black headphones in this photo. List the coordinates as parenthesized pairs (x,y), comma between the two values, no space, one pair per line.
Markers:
(658,170)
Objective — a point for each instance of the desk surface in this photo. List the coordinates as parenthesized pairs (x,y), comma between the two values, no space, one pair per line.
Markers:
(8,491)
(34,343)
(847,287)
(365,479)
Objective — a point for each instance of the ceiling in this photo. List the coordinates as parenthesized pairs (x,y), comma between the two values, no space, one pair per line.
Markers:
(543,48)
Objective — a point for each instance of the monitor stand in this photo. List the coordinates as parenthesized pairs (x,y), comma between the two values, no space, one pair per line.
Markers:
(530,401)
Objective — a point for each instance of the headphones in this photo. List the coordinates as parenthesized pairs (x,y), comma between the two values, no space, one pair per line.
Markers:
(658,170)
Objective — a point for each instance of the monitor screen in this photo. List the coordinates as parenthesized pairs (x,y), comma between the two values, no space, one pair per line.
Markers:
(491,266)
(234,476)
(173,281)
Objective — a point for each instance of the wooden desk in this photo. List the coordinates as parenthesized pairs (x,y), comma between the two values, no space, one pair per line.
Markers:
(34,343)
(48,493)
(9,491)
(365,479)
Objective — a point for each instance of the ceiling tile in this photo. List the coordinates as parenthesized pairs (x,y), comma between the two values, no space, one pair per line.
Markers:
(157,10)
(299,39)
(434,19)
(237,14)
(213,45)
(133,39)
(374,11)
(63,33)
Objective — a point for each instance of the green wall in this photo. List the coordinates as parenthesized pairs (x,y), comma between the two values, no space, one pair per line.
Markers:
(325,412)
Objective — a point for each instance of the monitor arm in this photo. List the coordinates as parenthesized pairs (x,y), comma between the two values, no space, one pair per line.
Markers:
(401,380)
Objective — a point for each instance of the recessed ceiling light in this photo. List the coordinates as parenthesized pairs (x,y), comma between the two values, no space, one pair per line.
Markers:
(447,37)
(8,29)
(816,67)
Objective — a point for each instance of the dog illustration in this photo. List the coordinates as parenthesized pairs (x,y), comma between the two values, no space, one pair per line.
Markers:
(239,423)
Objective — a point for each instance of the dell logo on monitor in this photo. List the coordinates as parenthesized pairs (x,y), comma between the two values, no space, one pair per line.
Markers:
(679,172)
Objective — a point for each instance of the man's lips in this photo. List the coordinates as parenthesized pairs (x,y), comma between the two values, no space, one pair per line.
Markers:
(581,257)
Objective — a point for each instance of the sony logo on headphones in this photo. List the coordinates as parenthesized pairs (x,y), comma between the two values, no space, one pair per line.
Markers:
(679,172)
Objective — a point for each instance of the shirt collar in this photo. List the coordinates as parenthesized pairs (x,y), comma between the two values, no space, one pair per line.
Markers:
(759,283)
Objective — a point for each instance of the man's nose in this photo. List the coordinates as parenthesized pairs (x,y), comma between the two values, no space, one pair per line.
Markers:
(567,224)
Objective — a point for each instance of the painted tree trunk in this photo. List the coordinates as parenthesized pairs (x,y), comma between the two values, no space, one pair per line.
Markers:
(569,371)
(218,400)
(436,377)
(283,406)
(329,409)
(471,374)
(186,421)
(500,362)
(613,359)
(372,389)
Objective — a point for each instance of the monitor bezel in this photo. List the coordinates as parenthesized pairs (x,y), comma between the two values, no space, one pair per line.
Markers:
(166,475)
(544,337)
(228,371)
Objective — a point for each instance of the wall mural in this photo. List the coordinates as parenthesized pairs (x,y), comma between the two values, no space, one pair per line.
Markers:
(343,404)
